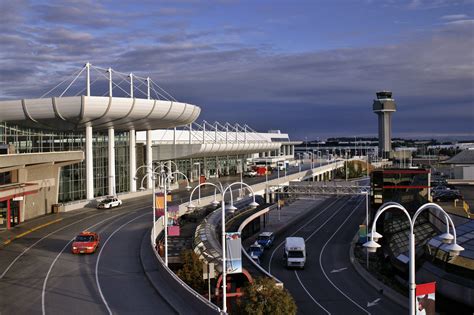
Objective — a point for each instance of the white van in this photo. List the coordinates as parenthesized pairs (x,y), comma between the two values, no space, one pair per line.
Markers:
(295,252)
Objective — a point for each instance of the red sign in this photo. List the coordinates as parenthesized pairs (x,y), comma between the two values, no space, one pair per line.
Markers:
(173,230)
(425,298)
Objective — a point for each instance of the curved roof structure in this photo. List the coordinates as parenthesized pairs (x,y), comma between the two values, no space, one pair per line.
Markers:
(75,112)
(180,151)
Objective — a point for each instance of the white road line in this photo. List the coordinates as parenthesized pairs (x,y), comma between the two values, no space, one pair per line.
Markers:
(98,261)
(321,255)
(325,222)
(312,298)
(311,235)
(43,293)
(36,243)
(312,219)
(54,232)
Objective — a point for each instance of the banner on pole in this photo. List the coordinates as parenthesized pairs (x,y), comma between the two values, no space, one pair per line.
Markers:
(173,215)
(159,204)
(362,233)
(233,252)
(160,200)
(173,230)
(425,298)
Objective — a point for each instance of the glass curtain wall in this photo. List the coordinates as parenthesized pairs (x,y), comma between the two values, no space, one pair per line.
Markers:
(122,162)
(72,183)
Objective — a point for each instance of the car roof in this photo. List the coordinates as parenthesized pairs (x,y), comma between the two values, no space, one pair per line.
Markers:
(266,234)
(86,233)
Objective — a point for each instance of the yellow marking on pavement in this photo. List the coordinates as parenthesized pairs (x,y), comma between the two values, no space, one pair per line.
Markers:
(31,230)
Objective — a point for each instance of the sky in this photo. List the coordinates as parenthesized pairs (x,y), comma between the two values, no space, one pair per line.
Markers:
(308,68)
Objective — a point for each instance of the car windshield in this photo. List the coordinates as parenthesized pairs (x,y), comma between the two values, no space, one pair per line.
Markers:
(84,238)
(107,200)
(255,249)
(295,254)
(263,238)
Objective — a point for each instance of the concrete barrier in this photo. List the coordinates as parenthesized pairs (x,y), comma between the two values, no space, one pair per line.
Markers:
(241,227)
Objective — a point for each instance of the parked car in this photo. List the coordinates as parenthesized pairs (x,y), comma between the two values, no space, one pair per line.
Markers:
(447,195)
(250,173)
(85,243)
(255,258)
(109,202)
(266,239)
(256,251)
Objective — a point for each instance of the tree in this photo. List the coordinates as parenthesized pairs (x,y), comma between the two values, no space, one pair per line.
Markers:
(191,272)
(264,297)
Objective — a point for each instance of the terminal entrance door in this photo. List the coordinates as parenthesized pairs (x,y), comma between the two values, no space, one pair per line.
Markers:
(14,212)
(9,213)
(3,214)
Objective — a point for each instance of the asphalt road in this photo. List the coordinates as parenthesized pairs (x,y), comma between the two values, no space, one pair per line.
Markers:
(329,284)
(40,275)
(48,279)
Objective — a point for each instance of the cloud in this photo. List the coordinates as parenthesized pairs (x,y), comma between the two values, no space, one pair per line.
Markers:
(461,22)
(307,93)
(454,17)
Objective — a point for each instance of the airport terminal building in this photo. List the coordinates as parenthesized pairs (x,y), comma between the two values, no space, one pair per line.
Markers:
(70,149)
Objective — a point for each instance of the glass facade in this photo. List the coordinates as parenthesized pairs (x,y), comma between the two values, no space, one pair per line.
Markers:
(72,183)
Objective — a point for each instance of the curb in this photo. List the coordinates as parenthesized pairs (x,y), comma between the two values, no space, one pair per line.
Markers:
(371,280)
(143,246)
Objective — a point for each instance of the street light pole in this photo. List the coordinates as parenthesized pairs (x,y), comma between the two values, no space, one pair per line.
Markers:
(241,180)
(453,248)
(165,203)
(199,180)
(367,222)
(224,263)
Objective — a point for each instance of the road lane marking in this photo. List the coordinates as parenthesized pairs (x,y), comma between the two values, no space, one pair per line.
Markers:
(321,256)
(54,232)
(312,298)
(100,254)
(43,293)
(31,230)
(373,303)
(338,270)
(312,219)
(314,233)
(35,243)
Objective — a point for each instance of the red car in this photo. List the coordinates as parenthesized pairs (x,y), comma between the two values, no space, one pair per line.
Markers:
(85,243)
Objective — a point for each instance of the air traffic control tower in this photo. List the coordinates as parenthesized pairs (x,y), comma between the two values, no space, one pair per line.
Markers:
(384,106)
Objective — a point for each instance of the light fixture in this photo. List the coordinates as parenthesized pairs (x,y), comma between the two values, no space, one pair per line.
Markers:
(446,238)
(188,188)
(215,203)
(454,249)
(371,246)
(141,188)
(191,206)
(374,235)
(231,208)
(253,204)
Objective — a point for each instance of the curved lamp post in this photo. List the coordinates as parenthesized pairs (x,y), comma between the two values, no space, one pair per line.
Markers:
(223,191)
(453,248)
(153,178)
(165,181)
(164,177)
